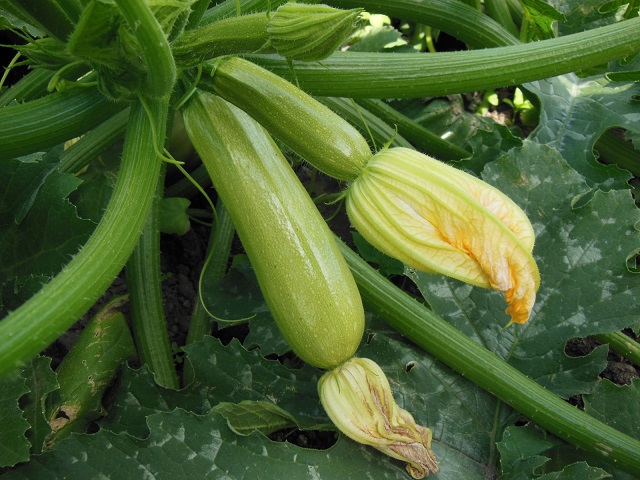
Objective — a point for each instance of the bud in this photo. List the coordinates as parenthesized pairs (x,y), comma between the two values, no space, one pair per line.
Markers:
(310,32)
(358,399)
(438,219)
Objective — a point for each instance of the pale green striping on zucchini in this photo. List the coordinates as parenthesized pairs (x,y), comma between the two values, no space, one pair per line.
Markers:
(303,276)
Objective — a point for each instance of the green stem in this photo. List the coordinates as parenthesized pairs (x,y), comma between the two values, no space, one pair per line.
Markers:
(479,365)
(158,59)
(48,121)
(621,344)
(451,16)
(46,316)
(220,240)
(144,284)
(244,34)
(87,370)
(31,86)
(184,187)
(499,11)
(423,139)
(81,153)
(366,122)
(411,75)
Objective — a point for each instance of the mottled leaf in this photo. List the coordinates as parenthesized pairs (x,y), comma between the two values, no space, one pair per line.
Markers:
(576,111)
(185,445)
(582,254)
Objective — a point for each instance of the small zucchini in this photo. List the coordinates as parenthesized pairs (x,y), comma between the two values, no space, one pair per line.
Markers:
(302,274)
(313,131)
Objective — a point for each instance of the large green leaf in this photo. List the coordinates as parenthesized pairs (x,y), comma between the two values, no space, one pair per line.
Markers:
(14,447)
(41,381)
(616,405)
(582,254)
(185,445)
(576,111)
(222,374)
(39,227)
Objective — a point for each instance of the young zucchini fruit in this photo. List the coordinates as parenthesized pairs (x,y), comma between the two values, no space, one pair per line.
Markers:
(334,147)
(302,274)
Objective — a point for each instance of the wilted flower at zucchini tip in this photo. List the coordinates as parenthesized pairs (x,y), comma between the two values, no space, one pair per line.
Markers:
(358,399)
(438,219)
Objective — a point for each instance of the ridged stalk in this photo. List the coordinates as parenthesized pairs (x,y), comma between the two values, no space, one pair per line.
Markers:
(424,140)
(410,75)
(148,321)
(46,316)
(31,86)
(81,153)
(484,368)
(622,345)
(86,372)
(48,121)
(451,16)
(220,240)
(157,56)
(366,122)
(499,11)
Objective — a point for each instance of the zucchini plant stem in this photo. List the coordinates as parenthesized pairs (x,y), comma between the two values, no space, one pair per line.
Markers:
(220,240)
(148,321)
(621,344)
(479,365)
(31,86)
(48,121)
(451,16)
(81,153)
(158,59)
(373,75)
(423,139)
(51,311)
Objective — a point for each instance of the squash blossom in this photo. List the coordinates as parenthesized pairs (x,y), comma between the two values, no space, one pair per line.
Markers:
(438,219)
(358,399)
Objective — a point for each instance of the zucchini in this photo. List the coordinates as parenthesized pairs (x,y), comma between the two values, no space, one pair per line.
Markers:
(302,274)
(313,131)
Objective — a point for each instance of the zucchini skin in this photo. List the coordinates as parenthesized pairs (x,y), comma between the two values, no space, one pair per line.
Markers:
(313,131)
(304,278)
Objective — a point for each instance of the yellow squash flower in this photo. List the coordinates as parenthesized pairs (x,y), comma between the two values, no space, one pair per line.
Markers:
(358,399)
(438,219)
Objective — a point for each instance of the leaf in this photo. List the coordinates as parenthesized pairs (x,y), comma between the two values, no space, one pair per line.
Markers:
(377,39)
(575,112)
(541,17)
(617,406)
(173,215)
(464,418)
(39,227)
(585,288)
(41,381)
(185,445)
(583,15)
(526,452)
(222,374)
(14,447)
(386,265)
(248,416)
